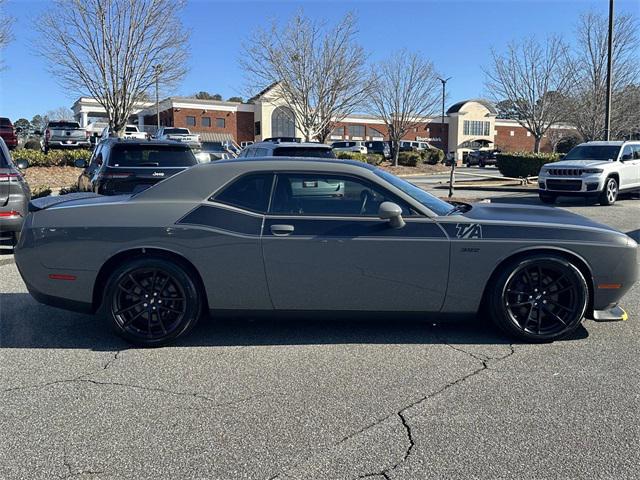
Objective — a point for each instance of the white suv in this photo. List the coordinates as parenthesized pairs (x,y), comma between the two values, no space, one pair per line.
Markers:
(594,169)
(349,146)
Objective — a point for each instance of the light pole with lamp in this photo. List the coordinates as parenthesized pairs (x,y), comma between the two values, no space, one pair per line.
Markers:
(607,107)
(446,147)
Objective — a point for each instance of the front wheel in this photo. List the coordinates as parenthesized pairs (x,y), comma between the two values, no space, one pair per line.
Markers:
(539,299)
(610,192)
(152,301)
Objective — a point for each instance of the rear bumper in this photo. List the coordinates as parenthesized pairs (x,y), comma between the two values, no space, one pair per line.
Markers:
(12,142)
(10,225)
(66,144)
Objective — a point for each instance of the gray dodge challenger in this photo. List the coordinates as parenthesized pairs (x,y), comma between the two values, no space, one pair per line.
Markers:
(305,235)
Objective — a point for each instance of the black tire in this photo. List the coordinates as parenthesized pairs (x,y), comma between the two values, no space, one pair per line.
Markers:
(468,164)
(481,164)
(152,301)
(548,198)
(610,192)
(539,299)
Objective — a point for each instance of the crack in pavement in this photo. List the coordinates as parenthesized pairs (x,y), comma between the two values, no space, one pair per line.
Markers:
(69,467)
(385,473)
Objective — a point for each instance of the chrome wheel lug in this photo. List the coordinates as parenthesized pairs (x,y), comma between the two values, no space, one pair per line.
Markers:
(145,304)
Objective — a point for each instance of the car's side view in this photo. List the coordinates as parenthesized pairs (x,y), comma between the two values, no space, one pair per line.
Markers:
(599,170)
(300,235)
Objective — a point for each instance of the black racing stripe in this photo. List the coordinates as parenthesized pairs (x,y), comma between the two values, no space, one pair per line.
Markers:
(522,232)
(221,218)
(352,228)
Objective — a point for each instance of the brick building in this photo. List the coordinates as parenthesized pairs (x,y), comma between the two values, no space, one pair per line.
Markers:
(468,125)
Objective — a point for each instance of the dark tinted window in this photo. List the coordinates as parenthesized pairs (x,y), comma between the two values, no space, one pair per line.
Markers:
(176,131)
(131,129)
(213,146)
(322,194)
(5,122)
(250,192)
(151,156)
(593,152)
(303,152)
(64,124)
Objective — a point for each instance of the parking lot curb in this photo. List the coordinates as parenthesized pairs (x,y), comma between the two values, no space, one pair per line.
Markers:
(490,189)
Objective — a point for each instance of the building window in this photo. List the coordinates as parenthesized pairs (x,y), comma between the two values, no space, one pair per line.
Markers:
(528,134)
(337,133)
(220,123)
(283,123)
(257,129)
(356,132)
(206,121)
(511,133)
(375,134)
(191,121)
(476,127)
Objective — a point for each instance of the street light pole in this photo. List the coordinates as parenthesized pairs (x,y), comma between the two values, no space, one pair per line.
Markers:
(446,147)
(157,70)
(607,110)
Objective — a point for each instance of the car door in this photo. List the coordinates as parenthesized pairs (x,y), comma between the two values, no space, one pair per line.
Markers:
(628,169)
(330,251)
(636,162)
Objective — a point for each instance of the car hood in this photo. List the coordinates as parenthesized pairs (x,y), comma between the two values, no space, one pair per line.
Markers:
(531,214)
(577,163)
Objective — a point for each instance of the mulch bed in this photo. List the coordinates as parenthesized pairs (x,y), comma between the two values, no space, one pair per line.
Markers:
(420,169)
(51,177)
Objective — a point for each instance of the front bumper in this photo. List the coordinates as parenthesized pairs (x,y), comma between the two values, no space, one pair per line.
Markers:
(568,185)
(614,314)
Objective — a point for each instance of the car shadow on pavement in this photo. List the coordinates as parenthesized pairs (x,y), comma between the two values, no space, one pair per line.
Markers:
(27,324)
(530,199)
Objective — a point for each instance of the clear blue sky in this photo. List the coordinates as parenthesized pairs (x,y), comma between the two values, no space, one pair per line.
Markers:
(455,35)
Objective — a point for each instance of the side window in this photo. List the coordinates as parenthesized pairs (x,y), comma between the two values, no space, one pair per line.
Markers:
(636,152)
(626,153)
(96,159)
(320,194)
(250,192)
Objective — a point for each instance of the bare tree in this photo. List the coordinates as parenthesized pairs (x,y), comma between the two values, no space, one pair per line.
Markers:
(533,76)
(318,72)
(60,113)
(588,113)
(108,49)
(405,92)
(6,33)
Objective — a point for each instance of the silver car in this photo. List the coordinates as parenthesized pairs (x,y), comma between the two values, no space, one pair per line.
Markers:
(309,235)
(14,196)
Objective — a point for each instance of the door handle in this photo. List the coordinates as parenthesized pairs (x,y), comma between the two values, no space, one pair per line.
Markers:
(282,230)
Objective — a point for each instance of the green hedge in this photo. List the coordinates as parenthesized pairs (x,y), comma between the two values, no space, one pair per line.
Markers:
(524,164)
(432,156)
(55,158)
(409,159)
(371,158)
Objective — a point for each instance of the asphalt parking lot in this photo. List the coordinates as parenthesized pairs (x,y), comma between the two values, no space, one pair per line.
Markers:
(332,399)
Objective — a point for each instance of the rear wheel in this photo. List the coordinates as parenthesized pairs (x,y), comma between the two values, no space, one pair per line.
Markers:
(610,192)
(152,301)
(547,198)
(539,299)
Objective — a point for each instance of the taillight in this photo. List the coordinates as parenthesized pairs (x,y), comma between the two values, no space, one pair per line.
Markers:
(10,213)
(6,177)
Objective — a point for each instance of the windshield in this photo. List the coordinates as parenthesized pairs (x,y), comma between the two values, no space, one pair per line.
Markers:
(131,129)
(314,152)
(437,206)
(593,152)
(176,131)
(213,147)
(146,156)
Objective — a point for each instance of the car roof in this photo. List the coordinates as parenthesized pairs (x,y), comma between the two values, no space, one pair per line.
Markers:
(289,144)
(305,162)
(149,143)
(604,143)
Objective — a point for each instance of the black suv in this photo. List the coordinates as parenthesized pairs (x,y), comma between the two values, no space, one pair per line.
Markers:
(120,166)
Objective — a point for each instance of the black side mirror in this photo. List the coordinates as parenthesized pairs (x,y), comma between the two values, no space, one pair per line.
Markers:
(626,156)
(22,164)
(80,163)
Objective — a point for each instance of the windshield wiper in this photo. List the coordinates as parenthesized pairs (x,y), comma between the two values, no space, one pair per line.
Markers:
(148,164)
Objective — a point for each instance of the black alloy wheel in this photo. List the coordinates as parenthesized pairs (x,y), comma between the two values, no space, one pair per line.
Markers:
(542,298)
(152,301)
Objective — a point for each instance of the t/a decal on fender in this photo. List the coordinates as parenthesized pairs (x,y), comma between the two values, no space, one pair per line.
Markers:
(469,231)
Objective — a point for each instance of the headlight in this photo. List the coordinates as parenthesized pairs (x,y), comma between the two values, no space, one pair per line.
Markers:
(593,170)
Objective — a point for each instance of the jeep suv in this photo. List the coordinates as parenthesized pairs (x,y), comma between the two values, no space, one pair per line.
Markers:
(600,170)
(14,196)
(120,166)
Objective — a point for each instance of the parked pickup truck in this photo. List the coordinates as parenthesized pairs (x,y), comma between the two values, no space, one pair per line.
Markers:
(600,170)
(178,134)
(65,134)
(8,133)
(130,131)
